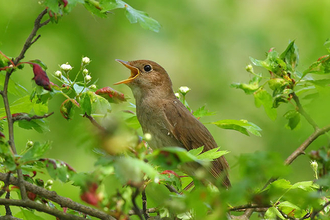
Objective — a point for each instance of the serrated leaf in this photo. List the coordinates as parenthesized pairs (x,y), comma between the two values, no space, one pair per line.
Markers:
(277,83)
(212,154)
(94,8)
(321,66)
(13,87)
(143,18)
(294,118)
(111,95)
(35,152)
(291,56)
(38,125)
(59,170)
(27,214)
(85,104)
(108,5)
(273,213)
(52,5)
(262,97)
(305,185)
(99,104)
(242,126)
(201,112)
(248,88)
(291,209)
(133,122)
(196,151)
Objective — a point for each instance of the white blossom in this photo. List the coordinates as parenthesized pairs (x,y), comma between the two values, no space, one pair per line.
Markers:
(58,74)
(88,78)
(92,86)
(184,89)
(85,71)
(177,95)
(66,67)
(86,60)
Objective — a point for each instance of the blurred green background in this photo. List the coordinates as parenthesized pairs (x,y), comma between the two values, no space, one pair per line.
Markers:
(204,45)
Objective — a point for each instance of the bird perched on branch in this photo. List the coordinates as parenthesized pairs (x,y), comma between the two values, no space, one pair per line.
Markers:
(163,116)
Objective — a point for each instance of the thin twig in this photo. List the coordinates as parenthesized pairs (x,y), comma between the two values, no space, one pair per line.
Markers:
(63,201)
(300,150)
(144,205)
(40,207)
(94,122)
(313,215)
(150,210)
(29,41)
(248,206)
(5,187)
(7,207)
(135,206)
(301,110)
(26,117)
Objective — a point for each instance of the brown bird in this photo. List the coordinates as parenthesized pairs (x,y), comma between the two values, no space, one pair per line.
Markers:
(163,116)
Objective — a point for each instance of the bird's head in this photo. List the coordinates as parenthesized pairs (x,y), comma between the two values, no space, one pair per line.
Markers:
(146,75)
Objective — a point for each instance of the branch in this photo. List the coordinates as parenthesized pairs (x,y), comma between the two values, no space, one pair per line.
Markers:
(26,117)
(243,208)
(63,201)
(135,206)
(94,122)
(300,150)
(313,215)
(40,207)
(29,41)
(144,205)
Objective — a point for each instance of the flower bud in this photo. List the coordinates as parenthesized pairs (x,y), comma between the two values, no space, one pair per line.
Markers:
(92,86)
(314,166)
(177,95)
(88,78)
(58,74)
(66,67)
(86,60)
(184,90)
(249,68)
(147,136)
(85,71)
(29,144)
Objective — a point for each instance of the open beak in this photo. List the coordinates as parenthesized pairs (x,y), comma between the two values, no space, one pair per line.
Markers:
(134,72)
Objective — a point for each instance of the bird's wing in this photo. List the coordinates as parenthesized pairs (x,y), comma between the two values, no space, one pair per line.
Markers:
(188,130)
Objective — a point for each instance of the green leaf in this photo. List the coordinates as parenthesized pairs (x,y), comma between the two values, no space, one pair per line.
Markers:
(196,151)
(262,97)
(85,104)
(201,112)
(95,8)
(78,89)
(13,87)
(6,156)
(133,122)
(131,170)
(143,18)
(294,118)
(52,5)
(291,209)
(291,56)
(320,82)
(321,66)
(67,108)
(27,214)
(273,213)
(35,152)
(212,154)
(99,104)
(59,170)
(248,88)
(277,83)
(108,5)
(242,126)
(305,185)
(39,125)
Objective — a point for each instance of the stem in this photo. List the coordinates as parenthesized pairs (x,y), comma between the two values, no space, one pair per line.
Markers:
(300,150)
(301,110)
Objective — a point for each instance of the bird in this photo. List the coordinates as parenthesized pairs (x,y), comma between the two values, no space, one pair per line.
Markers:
(162,114)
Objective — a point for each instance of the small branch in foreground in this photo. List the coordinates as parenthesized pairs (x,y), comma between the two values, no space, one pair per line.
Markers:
(94,122)
(313,215)
(135,206)
(63,201)
(26,117)
(300,150)
(243,208)
(144,205)
(39,207)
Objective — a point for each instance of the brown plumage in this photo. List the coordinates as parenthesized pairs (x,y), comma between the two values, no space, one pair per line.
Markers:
(162,115)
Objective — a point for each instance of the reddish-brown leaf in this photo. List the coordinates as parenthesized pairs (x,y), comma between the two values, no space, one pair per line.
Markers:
(40,77)
(111,95)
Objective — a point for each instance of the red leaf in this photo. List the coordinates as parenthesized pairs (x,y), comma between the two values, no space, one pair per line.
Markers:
(91,196)
(31,195)
(170,172)
(111,95)
(40,77)
(65,2)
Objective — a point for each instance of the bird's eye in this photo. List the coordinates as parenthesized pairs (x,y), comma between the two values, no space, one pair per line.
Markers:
(147,68)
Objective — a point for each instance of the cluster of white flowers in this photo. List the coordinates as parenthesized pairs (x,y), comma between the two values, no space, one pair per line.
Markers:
(184,90)
(66,67)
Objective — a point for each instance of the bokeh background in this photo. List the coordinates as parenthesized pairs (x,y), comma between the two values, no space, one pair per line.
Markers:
(204,45)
